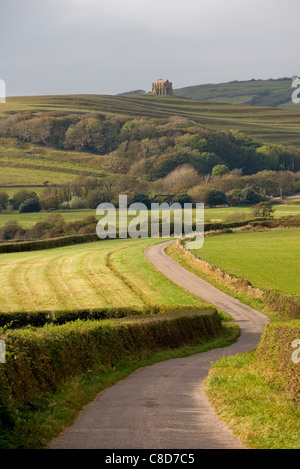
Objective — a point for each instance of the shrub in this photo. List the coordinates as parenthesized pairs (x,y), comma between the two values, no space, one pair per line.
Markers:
(39,361)
(3,200)
(30,205)
(215,197)
(20,197)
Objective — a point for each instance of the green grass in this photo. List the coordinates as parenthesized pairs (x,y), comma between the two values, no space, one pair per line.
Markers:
(267,125)
(45,418)
(253,406)
(111,273)
(258,92)
(26,164)
(27,220)
(268,260)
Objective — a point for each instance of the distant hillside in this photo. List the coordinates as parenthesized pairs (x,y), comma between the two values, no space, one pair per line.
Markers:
(271,93)
(266,125)
(132,92)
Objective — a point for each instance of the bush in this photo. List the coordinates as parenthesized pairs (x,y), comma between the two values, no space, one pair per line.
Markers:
(3,200)
(264,209)
(30,206)
(215,197)
(39,361)
(20,197)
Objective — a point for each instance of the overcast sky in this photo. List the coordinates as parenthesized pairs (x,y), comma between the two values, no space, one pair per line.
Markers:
(113,46)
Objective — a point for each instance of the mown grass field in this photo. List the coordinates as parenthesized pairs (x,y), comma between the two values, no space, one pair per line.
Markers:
(268,259)
(268,125)
(109,273)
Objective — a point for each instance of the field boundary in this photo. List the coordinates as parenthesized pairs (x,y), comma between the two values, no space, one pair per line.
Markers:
(286,305)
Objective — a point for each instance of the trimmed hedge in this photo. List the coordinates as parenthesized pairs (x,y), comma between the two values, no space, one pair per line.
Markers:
(287,304)
(47,243)
(274,356)
(40,361)
(19,320)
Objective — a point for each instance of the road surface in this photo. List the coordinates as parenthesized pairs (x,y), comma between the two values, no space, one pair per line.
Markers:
(164,406)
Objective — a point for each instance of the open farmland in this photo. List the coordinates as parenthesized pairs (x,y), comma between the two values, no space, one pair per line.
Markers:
(268,125)
(27,220)
(25,164)
(268,260)
(111,273)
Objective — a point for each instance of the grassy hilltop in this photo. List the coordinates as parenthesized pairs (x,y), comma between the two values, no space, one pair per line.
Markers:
(270,93)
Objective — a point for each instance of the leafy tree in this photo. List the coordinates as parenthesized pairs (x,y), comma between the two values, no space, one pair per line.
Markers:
(97,197)
(234,197)
(3,200)
(20,197)
(264,209)
(220,170)
(249,196)
(30,206)
(182,199)
(142,199)
(12,230)
(215,197)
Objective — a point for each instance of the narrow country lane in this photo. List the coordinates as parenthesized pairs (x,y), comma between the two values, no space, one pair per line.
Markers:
(164,406)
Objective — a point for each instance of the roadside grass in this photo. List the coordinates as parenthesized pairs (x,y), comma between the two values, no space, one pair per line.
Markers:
(254,407)
(176,254)
(42,420)
(251,401)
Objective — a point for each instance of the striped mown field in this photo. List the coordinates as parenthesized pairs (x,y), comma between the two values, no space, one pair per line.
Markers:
(112,273)
(268,125)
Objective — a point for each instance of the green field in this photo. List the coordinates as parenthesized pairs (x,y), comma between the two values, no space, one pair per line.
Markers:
(254,92)
(113,273)
(27,220)
(269,259)
(25,164)
(267,125)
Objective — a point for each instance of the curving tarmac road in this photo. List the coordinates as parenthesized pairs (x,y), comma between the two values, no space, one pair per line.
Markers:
(164,406)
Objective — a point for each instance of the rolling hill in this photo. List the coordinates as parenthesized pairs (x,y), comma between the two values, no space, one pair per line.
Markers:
(269,93)
(266,125)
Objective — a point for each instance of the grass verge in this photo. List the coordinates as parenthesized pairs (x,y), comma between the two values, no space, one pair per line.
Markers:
(185,260)
(253,406)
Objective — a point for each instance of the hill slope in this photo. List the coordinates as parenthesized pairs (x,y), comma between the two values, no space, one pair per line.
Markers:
(270,93)
(267,125)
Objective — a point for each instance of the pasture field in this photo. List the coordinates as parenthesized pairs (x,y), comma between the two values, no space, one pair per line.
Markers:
(268,259)
(271,93)
(27,220)
(267,125)
(112,273)
(25,164)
